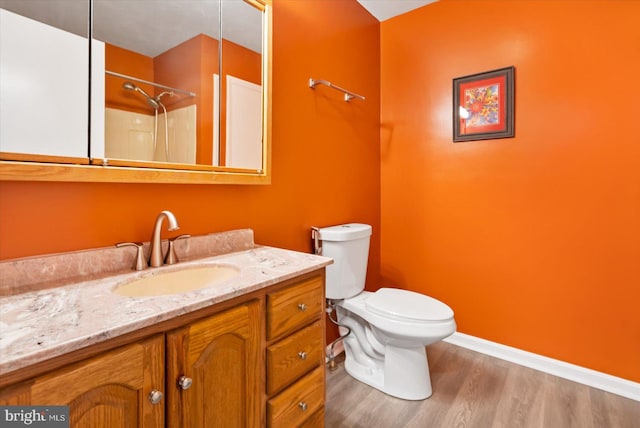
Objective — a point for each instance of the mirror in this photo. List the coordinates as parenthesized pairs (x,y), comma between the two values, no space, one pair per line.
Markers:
(178,95)
(189,96)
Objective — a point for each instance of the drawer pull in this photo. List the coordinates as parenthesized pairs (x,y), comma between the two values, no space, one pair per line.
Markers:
(302,307)
(302,355)
(185,382)
(302,405)
(155,396)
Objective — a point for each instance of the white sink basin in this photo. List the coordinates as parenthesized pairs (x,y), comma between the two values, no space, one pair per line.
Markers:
(177,281)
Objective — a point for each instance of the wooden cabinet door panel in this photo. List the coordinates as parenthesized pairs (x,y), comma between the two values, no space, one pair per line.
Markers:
(108,390)
(221,355)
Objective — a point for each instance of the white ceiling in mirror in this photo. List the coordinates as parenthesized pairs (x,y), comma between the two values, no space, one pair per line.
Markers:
(152,27)
(385,9)
(69,15)
(149,27)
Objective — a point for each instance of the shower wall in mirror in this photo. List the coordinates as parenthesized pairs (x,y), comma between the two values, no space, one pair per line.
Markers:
(174,85)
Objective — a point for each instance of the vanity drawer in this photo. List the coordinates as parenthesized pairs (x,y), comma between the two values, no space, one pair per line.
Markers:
(292,307)
(297,403)
(316,420)
(294,356)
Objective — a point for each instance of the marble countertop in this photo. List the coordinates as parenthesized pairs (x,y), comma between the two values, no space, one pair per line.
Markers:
(40,325)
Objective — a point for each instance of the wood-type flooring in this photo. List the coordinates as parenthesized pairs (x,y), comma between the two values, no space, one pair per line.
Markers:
(473,390)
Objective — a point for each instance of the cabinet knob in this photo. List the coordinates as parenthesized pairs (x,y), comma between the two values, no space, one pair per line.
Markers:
(155,396)
(302,355)
(302,306)
(302,405)
(185,382)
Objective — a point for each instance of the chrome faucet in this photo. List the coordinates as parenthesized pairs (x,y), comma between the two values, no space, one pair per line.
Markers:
(155,252)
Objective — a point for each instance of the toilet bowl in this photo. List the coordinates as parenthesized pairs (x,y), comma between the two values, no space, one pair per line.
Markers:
(386,350)
(389,328)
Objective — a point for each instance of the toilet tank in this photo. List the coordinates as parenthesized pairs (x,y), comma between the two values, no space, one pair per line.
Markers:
(348,246)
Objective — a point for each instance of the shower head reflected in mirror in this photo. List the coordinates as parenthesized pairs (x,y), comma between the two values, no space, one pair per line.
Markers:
(154,103)
(129,86)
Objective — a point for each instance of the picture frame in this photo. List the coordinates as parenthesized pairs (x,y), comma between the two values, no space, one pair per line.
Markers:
(483,105)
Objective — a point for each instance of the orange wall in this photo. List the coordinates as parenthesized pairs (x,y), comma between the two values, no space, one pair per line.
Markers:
(191,66)
(182,67)
(325,157)
(534,241)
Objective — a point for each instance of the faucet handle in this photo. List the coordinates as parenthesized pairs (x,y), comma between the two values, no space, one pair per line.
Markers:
(141,263)
(172,258)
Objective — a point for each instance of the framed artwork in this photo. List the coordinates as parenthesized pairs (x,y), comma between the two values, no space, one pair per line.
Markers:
(483,106)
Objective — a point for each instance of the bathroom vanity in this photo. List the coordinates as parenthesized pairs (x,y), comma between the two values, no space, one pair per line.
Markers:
(247,351)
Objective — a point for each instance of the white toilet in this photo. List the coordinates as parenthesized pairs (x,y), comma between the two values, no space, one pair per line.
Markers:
(390,327)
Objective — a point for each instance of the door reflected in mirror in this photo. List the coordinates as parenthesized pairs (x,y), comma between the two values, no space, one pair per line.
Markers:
(164,101)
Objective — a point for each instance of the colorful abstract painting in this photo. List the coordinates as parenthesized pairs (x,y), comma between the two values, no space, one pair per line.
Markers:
(483,105)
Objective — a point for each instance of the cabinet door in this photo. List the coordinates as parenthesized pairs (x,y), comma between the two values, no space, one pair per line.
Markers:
(220,358)
(110,390)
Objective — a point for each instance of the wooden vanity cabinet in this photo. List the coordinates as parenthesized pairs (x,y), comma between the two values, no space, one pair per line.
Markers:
(213,376)
(111,390)
(254,361)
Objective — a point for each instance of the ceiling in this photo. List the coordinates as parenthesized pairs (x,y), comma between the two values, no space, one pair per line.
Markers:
(148,27)
(385,9)
(143,25)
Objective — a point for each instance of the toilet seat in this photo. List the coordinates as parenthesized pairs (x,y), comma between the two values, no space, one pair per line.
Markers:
(383,315)
(404,305)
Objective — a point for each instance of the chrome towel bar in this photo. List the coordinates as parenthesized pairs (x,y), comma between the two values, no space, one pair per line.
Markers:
(348,95)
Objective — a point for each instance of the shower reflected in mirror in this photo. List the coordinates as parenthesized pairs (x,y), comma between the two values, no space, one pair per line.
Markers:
(155,103)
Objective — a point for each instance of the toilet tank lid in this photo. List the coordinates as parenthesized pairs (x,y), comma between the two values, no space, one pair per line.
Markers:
(345,232)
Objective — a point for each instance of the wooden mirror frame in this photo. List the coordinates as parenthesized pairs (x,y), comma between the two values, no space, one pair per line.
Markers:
(51,168)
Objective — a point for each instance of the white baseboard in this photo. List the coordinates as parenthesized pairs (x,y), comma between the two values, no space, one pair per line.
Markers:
(595,379)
